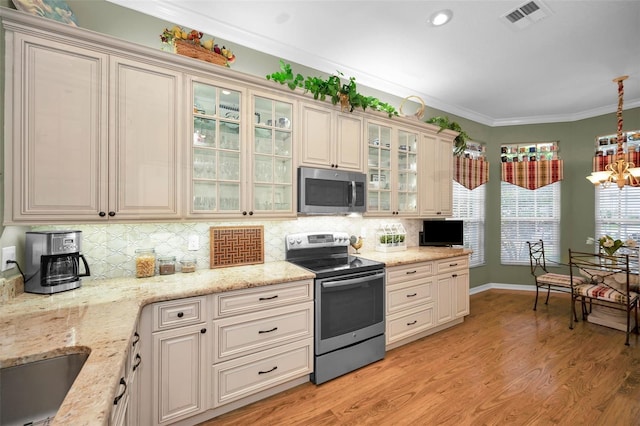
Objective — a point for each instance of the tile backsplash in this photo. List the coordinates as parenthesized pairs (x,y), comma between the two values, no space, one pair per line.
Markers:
(110,248)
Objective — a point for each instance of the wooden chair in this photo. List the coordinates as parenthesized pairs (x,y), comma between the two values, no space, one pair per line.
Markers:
(608,284)
(544,278)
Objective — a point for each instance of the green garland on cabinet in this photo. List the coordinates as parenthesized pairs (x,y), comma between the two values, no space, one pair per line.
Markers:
(460,142)
(332,87)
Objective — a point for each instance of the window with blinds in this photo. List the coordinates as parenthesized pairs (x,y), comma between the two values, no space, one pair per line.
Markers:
(469,206)
(529,215)
(618,213)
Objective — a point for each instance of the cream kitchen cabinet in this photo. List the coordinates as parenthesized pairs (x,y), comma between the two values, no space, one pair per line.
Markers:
(410,301)
(392,170)
(126,397)
(174,387)
(263,338)
(436,181)
(90,137)
(452,288)
(329,138)
(241,155)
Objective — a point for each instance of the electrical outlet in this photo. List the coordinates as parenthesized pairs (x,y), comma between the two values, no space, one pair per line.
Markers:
(193,243)
(8,253)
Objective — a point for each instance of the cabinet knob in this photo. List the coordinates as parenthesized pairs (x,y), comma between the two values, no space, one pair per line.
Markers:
(102,214)
(180,314)
(244,213)
(251,213)
(203,330)
(112,214)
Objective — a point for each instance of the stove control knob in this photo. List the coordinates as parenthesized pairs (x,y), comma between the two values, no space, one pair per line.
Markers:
(292,241)
(299,240)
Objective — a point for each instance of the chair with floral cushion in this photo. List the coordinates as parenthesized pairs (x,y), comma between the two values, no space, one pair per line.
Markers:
(544,278)
(609,283)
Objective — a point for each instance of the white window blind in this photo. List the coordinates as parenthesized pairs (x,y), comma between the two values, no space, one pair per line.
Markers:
(618,213)
(529,215)
(469,206)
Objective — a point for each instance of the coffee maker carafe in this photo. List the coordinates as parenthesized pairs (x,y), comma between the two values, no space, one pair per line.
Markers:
(53,261)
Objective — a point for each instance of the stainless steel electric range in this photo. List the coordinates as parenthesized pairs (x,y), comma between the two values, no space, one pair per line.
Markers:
(349,301)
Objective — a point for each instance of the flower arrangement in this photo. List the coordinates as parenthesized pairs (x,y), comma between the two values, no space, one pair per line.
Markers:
(170,36)
(608,245)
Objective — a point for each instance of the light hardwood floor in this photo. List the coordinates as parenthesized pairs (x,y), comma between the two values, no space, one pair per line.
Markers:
(506,364)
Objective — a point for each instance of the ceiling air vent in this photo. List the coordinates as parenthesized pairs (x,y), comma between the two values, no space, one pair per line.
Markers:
(525,15)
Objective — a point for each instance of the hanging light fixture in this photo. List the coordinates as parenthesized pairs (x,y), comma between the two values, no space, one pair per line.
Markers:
(620,171)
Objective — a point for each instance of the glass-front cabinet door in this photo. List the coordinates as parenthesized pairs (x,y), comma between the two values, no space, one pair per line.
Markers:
(216,152)
(380,179)
(272,156)
(392,171)
(407,172)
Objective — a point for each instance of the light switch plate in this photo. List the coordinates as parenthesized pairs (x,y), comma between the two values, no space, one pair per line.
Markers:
(193,243)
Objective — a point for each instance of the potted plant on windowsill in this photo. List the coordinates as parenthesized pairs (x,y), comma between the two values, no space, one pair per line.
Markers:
(333,88)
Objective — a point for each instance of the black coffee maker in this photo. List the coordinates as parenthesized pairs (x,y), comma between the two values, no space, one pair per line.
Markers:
(53,261)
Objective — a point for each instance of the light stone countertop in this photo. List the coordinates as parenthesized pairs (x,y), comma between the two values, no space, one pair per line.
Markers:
(100,317)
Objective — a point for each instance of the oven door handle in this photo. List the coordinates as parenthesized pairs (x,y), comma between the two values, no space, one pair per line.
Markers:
(352,281)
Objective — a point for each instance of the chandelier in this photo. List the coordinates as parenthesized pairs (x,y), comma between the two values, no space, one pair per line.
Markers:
(620,171)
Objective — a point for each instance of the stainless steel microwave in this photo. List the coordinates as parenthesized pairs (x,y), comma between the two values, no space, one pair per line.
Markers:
(324,191)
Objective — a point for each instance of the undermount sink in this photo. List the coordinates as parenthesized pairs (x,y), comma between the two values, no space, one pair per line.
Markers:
(32,393)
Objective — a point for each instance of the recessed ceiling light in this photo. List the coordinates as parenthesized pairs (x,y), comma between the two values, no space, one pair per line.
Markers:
(441,17)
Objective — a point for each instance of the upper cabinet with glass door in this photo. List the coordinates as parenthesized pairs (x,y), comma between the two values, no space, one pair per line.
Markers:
(216,150)
(392,171)
(271,192)
(407,173)
(379,174)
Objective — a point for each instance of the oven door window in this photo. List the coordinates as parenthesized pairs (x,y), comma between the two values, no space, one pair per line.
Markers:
(350,307)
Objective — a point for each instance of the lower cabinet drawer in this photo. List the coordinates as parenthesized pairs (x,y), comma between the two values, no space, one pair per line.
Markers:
(178,313)
(410,322)
(245,334)
(242,377)
(409,294)
(452,264)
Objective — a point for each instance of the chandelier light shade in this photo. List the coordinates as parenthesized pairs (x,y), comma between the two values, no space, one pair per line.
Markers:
(620,171)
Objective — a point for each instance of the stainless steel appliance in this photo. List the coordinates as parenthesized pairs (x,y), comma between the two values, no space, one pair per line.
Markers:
(324,191)
(53,261)
(349,303)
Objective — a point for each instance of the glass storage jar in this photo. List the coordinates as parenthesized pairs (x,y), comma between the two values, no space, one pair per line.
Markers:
(167,265)
(145,262)
(188,263)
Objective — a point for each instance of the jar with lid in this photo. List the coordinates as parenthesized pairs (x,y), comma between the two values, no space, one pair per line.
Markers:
(188,263)
(145,262)
(167,265)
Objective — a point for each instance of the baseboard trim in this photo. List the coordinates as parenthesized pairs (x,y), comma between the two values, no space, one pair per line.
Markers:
(501,286)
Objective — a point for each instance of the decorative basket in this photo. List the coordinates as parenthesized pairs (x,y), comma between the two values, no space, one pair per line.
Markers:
(420,112)
(186,48)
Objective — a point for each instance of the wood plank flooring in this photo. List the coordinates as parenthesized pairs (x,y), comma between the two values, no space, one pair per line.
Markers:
(506,364)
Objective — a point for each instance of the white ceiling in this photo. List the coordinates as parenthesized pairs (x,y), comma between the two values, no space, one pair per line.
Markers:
(477,66)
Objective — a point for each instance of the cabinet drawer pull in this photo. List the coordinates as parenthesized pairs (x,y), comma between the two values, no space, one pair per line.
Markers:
(135,340)
(267,331)
(180,314)
(268,298)
(454,275)
(203,330)
(453,264)
(119,397)
(411,272)
(268,371)
(137,364)
(413,322)
(412,295)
